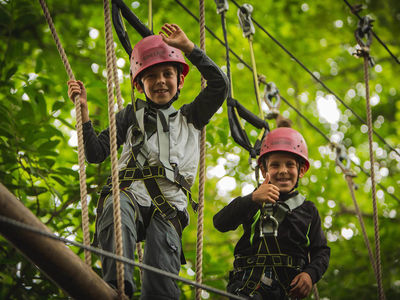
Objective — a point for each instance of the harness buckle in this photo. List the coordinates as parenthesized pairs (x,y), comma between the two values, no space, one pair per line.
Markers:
(290,261)
(161,171)
(146,172)
(261,260)
(160,199)
(277,260)
(129,173)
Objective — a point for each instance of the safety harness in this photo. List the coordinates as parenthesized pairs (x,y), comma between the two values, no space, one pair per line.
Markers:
(268,251)
(138,168)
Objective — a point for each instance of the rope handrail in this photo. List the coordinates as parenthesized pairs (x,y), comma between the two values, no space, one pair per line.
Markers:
(112,78)
(79,129)
(122,259)
(381,294)
(202,170)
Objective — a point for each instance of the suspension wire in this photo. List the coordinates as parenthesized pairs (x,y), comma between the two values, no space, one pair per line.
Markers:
(379,184)
(292,56)
(286,101)
(79,130)
(319,81)
(282,98)
(327,138)
(355,12)
(101,252)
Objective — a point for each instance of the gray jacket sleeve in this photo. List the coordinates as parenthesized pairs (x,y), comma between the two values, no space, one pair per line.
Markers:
(97,147)
(210,99)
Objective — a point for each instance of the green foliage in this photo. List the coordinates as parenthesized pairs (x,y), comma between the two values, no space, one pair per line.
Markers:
(38,165)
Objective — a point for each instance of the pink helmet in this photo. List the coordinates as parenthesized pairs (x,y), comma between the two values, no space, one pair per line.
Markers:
(285,139)
(152,50)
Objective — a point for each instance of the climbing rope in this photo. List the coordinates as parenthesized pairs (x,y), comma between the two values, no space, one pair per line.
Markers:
(341,156)
(362,31)
(202,170)
(112,77)
(79,129)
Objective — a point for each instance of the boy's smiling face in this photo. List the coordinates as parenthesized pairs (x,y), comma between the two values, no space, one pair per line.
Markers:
(283,167)
(160,83)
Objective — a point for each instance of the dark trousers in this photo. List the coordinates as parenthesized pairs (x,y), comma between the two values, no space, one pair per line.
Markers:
(162,248)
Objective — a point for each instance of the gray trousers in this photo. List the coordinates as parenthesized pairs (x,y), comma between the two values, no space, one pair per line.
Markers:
(162,249)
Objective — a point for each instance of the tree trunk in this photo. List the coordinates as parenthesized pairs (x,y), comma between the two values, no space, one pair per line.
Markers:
(52,257)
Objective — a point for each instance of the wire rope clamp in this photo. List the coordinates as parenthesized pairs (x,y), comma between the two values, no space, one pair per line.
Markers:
(271,92)
(244,15)
(222,6)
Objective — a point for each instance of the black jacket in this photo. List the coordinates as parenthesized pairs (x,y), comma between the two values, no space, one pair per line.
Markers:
(299,234)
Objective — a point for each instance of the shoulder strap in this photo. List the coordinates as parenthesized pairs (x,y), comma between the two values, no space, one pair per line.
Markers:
(164,140)
(283,207)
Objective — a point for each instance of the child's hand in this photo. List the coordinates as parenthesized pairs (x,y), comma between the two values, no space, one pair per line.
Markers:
(175,37)
(266,192)
(301,285)
(76,88)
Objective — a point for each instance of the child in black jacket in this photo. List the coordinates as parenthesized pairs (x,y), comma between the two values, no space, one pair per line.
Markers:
(283,250)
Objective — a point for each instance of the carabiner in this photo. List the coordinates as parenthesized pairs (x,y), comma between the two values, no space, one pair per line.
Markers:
(270,92)
(268,223)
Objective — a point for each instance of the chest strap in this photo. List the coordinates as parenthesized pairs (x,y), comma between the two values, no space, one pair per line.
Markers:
(268,260)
